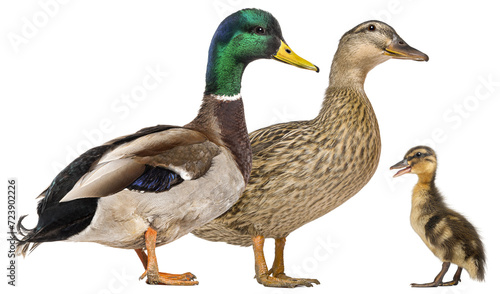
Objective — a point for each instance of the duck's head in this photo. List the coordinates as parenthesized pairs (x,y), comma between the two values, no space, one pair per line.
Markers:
(371,43)
(243,37)
(420,160)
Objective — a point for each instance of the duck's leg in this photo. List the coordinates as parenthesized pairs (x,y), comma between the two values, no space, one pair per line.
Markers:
(456,278)
(143,257)
(151,266)
(278,278)
(278,268)
(439,278)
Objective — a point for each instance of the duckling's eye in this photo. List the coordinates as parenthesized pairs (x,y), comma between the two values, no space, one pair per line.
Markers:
(418,154)
(259,30)
(371,27)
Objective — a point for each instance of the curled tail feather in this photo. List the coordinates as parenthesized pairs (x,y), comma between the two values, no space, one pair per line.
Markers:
(23,245)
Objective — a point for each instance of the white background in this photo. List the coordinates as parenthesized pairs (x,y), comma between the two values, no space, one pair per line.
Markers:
(62,92)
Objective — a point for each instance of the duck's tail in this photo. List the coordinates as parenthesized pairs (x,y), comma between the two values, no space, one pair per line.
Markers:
(477,262)
(479,265)
(24,238)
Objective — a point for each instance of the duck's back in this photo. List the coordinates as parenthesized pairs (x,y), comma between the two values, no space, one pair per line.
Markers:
(303,170)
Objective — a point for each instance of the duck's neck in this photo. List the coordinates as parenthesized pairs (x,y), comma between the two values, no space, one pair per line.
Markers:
(425,192)
(345,90)
(348,122)
(224,73)
(348,70)
(222,117)
(222,120)
(426,179)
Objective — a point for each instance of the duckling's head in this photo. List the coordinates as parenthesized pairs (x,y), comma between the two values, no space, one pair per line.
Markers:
(369,44)
(420,160)
(241,38)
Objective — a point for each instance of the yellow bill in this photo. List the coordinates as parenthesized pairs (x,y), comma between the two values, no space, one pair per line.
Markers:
(286,55)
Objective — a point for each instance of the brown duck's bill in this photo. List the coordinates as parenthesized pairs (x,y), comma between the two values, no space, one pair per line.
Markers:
(286,55)
(403,166)
(400,50)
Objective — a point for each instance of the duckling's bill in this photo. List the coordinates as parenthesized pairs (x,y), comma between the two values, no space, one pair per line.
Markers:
(286,55)
(403,166)
(400,50)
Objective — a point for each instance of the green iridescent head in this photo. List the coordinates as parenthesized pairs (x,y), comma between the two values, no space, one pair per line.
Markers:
(241,38)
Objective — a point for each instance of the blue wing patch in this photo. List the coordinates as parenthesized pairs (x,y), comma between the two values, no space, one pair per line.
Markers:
(155,179)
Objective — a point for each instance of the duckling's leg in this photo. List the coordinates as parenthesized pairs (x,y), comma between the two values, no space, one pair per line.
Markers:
(279,279)
(456,279)
(151,266)
(439,278)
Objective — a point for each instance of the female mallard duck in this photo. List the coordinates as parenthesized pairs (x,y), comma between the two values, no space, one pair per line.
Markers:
(447,233)
(305,169)
(152,187)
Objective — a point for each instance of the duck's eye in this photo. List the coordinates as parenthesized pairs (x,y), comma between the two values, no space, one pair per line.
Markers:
(371,27)
(260,30)
(418,154)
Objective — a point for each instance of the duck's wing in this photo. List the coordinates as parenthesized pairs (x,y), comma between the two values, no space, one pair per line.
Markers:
(153,159)
(152,163)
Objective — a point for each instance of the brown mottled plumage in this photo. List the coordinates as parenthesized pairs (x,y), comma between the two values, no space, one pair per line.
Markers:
(302,170)
(447,233)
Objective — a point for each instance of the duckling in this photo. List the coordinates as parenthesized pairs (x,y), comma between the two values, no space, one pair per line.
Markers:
(305,169)
(150,188)
(447,233)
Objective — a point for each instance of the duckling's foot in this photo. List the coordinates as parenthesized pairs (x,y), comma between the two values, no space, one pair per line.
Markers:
(433,284)
(450,283)
(438,281)
(456,279)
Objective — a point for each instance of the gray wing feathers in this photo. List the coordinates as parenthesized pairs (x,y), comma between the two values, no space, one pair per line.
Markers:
(106,179)
(186,152)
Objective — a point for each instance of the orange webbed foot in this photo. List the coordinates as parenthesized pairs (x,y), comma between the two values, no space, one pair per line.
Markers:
(158,278)
(155,277)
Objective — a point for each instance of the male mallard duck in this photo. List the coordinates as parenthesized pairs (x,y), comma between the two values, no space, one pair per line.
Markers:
(447,233)
(152,187)
(302,170)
